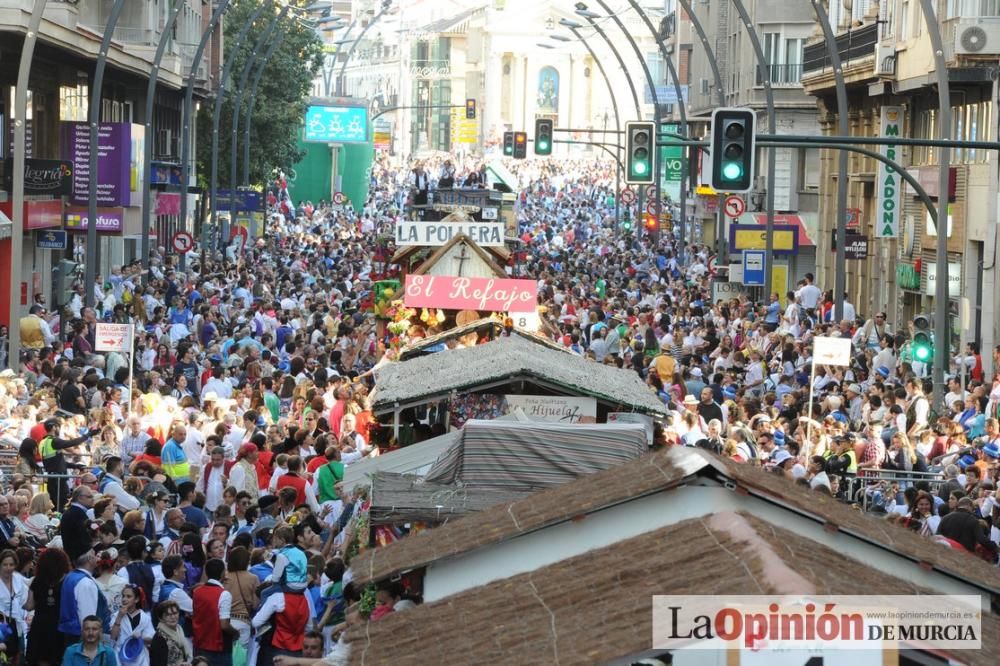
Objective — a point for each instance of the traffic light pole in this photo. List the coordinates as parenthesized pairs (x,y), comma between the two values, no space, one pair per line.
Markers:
(245,176)
(147,195)
(655,232)
(840,262)
(17,181)
(618,124)
(941,329)
(765,76)
(187,120)
(678,93)
(220,95)
(342,82)
(94,117)
(720,94)
(241,89)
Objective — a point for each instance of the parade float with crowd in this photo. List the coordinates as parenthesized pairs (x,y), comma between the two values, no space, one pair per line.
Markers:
(188,505)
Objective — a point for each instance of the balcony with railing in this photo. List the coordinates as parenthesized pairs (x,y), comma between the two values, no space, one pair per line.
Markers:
(133,25)
(780,75)
(970,9)
(853,45)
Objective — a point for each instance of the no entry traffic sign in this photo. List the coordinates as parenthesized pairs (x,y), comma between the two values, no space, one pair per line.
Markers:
(734,206)
(182,242)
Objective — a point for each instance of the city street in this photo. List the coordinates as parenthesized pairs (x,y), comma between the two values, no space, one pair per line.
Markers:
(445,332)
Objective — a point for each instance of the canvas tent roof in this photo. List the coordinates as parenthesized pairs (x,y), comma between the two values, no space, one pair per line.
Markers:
(405,498)
(530,456)
(506,359)
(415,459)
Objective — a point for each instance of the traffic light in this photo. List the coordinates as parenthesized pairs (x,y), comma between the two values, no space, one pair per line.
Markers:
(627,223)
(639,150)
(543,136)
(520,145)
(651,225)
(470,109)
(732,149)
(62,282)
(508,144)
(923,344)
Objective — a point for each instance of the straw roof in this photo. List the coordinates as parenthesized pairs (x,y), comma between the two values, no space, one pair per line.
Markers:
(400,498)
(511,357)
(652,474)
(597,606)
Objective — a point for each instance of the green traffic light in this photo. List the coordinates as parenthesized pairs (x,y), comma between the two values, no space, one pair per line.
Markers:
(922,353)
(543,145)
(732,171)
(639,168)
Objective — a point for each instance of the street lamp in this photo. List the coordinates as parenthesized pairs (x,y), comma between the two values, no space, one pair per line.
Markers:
(237,104)
(220,94)
(341,82)
(574,27)
(90,271)
(154,75)
(187,118)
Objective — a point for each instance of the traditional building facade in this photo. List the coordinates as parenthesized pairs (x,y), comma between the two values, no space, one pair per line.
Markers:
(890,74)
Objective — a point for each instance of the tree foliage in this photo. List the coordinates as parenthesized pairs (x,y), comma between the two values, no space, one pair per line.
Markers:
(282,95)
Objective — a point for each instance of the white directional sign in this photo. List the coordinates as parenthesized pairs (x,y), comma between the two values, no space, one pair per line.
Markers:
(113,337)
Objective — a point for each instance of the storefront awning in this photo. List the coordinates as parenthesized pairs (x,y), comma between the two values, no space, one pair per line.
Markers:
(793,220)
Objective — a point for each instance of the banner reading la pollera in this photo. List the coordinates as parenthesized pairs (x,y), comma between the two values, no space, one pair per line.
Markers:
(814,624)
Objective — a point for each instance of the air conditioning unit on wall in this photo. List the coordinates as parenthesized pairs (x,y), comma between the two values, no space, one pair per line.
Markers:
(978,37)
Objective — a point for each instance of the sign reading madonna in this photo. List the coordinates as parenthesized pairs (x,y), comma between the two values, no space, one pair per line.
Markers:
(470,293)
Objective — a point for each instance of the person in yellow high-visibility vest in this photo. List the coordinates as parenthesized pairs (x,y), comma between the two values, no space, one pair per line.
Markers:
(54,461)
(174,460)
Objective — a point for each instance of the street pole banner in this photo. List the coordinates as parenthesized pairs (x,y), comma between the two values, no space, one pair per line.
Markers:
(887,212)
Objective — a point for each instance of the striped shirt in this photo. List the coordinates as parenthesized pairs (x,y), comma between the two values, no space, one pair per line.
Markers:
(133,445)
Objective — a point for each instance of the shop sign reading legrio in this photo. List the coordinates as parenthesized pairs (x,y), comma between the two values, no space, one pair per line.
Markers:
(888,183)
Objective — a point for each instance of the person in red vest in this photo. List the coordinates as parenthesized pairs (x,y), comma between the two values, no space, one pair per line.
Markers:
(290,614)
(304,493)
(213,634)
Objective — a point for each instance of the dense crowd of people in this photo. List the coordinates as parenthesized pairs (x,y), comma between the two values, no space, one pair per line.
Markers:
(196,514)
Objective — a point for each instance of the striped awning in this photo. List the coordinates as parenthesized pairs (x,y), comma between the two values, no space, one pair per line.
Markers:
(530,456)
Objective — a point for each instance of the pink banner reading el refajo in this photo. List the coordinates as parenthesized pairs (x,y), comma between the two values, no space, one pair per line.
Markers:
(470,293)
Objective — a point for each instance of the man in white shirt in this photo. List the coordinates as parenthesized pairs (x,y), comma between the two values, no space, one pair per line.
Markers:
(111,485)
(218,384)
(809,294)
(955,393)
